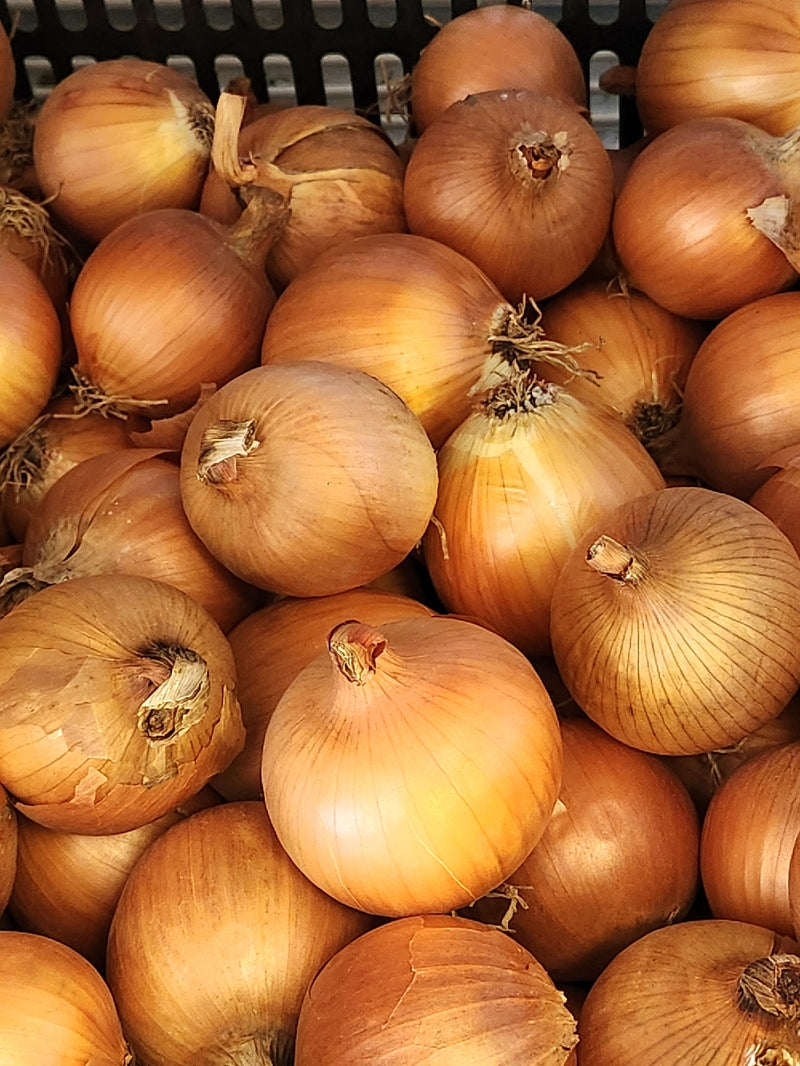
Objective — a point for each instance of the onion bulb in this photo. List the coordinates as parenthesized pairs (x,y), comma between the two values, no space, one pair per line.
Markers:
(520,481)
(676,621)
(410,768)
(214,941)
(55,1008)
(779,496)
(27,230)
(307,479)
(433,988)
(708,991)
(494,47)
(118,138)
(519,183)
(117,702)
(9,836)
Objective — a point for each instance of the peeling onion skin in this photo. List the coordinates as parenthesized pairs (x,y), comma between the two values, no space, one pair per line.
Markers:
(690,639)
(434,988)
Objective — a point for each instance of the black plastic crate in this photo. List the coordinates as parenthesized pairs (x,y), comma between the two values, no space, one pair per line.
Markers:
(308,49)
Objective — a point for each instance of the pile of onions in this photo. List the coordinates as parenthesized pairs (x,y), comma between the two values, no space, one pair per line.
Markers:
(739,58)
(272,645)
(619,857)
(307,479)
(676,621)
(170,301)
(30,347)
(9,835)
(55,1007)
(411,768)
(519,183)
(120,137)
(8,76)
(494,47)
(709,991)
(708,217)
(217,973)
(117,703)
(121,512)
(338,173)
(434,988)
(520,481)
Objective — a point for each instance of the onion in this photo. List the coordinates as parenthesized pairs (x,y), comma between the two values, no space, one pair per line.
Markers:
(749,830)
(433,988)
(338,173)
(121,512)
(519,183)
(67,884)
(676,621)
(709,991)
(520,481)
(168,302)
(411,768)
(27,230)
(117,703)
(307,479)
(30,347)
(9,836)
(708,217)
(496,47)
(120,137)
(8,76)
(55,1008)
(272,645)
(214,941)
(619,857)
(739,58)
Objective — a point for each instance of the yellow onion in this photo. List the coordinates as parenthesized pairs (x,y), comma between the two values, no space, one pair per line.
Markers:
(214,941)
(708,217)
(9,836)
(120,137)
(117,703)
(709,991)
(494,47)
(620,856)
(27,230)
(272,645)
(55,1008)
(338,173)
(67,884)
(516,181)
(739,58)
(434,988)
(410,768)
(307,479)
(520,481)
(676,621)
(121,512)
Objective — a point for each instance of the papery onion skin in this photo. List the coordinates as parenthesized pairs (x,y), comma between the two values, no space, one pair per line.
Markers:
(214,940)
(120,137)
(9,836)
(620,856)
(117,703)
(55,1008)
(498,47)
(674,996)
(421,779)
(691,642)
(331,485)
(433,987)
(519,183)
(272,645)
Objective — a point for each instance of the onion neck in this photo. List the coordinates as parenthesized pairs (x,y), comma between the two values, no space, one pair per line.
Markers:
(222,445)
(771,986)
(179,701)
(536,156)
(259,226)
(257,1049)
(354,648)
(617,561)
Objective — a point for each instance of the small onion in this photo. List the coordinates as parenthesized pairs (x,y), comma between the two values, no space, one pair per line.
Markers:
(307,479)
(214,941)
(9,836)
(676,621)
(117,703)
(411,768)
(120,137)
(433,988)
(709,991)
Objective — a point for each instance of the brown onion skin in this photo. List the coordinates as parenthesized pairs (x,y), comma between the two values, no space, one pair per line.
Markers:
(620,856)
(215,939)
(433,985)
(9,837)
